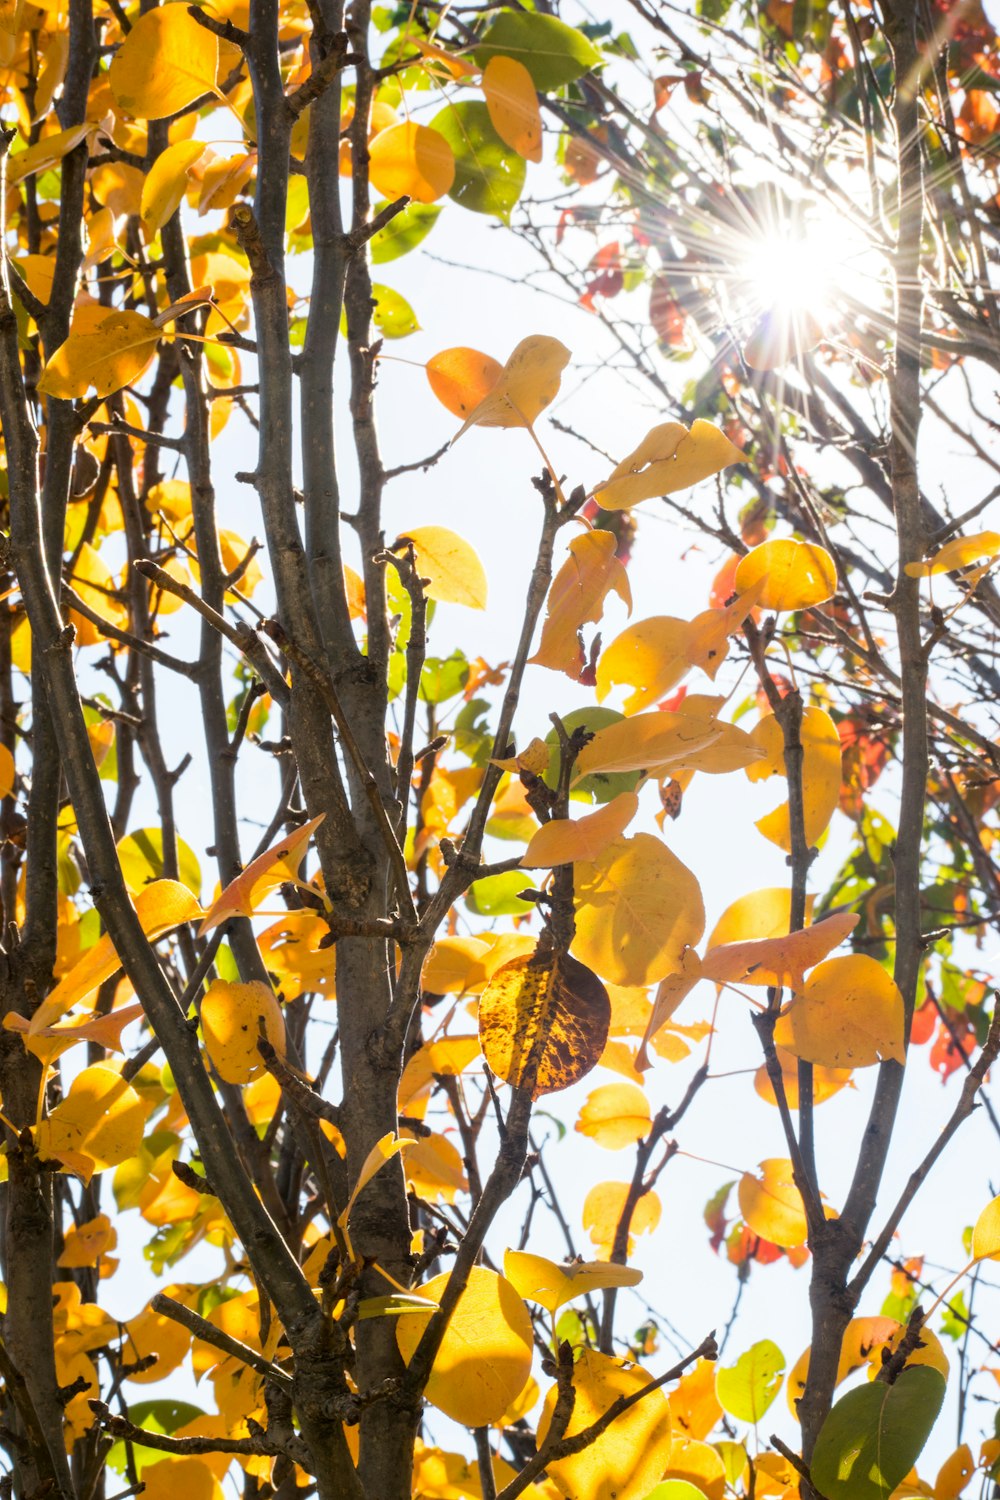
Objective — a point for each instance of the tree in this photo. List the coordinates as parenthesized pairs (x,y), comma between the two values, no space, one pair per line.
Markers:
(365,1264)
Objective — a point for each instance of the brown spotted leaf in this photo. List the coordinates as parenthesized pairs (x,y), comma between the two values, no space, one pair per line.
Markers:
(543,1022)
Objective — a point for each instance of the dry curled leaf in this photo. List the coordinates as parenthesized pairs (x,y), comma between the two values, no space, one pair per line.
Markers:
(670,457)
(577,597)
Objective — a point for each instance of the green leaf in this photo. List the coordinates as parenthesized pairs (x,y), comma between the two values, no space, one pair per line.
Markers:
(602,788)
(497,895)
(734,1456)
(141,857)
(747,1388)
(443,677)
(489,176)
(393,316)
(675,1489)
(875,1434)
(225,964)
(552,52)
(160,1416)
(394,1305)
(403,233)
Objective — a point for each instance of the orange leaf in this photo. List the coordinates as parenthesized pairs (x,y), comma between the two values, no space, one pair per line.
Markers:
(772,1205)
(411,159)
(778,960)
(276,865)
(513,105)
(462,378)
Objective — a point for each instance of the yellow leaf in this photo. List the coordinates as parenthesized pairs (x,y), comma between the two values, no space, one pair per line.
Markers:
(293,955)
(543,1022)
(513,105)
(52,1041)
(825,1081)
(154,1333)
(551,1285)
(603,1208)
(450,567)
(272,868)
(39,273)
(821,774)
(699,1465)
(455,966)
(669,994)
(849,1014)
(447,1057)
(629,1457)
(960,553)
(93,581)
(760,914)
(637,908)
(772,1206)
(462,378)
(669,458)
(615,1116)
(484,1361)
(691,738)
(576,597)
(45,153)
(166,62)
(165,184)
(653,656)
(192,1477)
(383,1151)
(434,1170)
(986,1233)
(160,907)
(101,1118)
(231,1015)
(795,575)
(411,159)
(107,353)
(527,383)
(777,960)
(564,842)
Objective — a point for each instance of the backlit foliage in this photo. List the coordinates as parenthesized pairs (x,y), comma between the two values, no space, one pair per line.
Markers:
(279,1005)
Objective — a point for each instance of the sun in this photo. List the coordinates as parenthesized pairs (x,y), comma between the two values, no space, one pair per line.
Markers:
(798,279)
(793,271)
